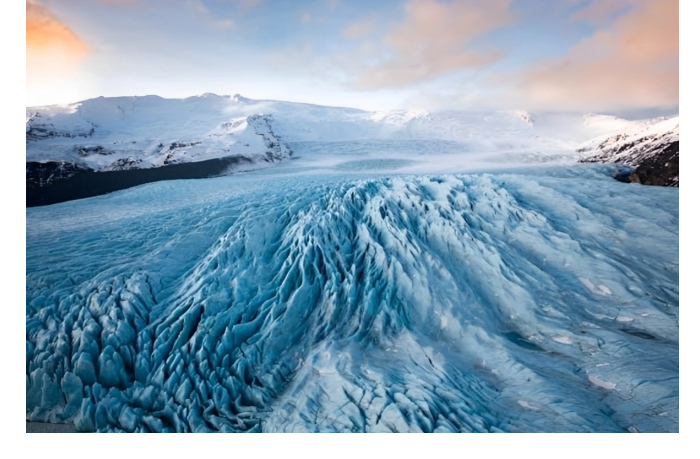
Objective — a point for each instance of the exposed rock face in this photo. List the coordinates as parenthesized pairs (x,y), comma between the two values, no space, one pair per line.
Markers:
(39,127)
(651,151)
(56,182)
(662,169)
(72,151)
(276,150)
(44,174)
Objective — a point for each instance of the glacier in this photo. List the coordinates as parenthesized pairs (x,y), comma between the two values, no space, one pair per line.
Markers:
(363,293)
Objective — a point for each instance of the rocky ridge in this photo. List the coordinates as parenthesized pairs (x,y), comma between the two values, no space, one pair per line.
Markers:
(651,153)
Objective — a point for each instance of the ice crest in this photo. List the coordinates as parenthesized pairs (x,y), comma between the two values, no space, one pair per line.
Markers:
(321,303)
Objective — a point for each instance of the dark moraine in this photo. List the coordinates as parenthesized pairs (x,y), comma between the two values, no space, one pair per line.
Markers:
(45,427)
(51,183)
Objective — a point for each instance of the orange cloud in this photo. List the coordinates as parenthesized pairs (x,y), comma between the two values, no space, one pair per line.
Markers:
(633,64)
(47,36)
(54,53)
(433,39)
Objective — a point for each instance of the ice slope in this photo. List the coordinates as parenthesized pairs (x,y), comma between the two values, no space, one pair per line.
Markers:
(142,132)
(544,300)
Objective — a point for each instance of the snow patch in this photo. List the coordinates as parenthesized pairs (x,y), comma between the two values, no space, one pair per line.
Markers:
(527,405)
(563,339)
(601,383)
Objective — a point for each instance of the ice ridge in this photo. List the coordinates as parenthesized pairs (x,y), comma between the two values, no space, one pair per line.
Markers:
(451,303)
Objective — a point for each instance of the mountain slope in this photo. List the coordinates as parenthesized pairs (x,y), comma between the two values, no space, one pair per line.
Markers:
(74,151)
(120,133)
(651,149)
(142,132)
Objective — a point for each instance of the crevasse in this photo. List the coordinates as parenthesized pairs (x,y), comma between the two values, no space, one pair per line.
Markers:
(502,302)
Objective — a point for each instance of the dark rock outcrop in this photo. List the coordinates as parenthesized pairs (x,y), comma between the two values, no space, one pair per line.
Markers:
(76,170)
(51,183)
(44,174)
(650,155)
(661,169)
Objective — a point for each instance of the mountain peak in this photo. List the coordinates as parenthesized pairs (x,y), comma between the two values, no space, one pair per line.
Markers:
(240,98)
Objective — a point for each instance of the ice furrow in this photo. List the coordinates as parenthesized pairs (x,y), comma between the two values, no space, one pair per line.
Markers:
(450,303)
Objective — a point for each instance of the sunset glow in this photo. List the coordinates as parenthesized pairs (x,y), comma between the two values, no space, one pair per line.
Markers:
(598,55)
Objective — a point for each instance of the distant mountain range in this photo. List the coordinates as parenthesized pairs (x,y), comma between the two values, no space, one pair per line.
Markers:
(152,138)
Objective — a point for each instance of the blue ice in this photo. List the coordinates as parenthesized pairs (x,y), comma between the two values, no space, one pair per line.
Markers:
(538,301)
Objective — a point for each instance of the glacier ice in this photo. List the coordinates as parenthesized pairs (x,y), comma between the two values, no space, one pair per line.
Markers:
(545,300)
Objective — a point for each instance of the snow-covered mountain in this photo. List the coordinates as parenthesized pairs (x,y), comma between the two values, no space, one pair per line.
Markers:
(120,133)
(143,132)
(651,148)
(151,138)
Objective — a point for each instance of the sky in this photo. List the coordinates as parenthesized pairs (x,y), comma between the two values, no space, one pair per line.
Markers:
(604,56)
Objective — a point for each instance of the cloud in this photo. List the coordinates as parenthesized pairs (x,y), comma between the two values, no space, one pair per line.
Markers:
(54,57)
(45,33)
(632,64)
(305,17)
(600,11)
(224,24)
(198,6)
(434,39)
(121,2)
(51,45)
(358,29)
(209,17)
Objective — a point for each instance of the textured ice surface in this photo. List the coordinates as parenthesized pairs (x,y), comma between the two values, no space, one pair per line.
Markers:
(541,301)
